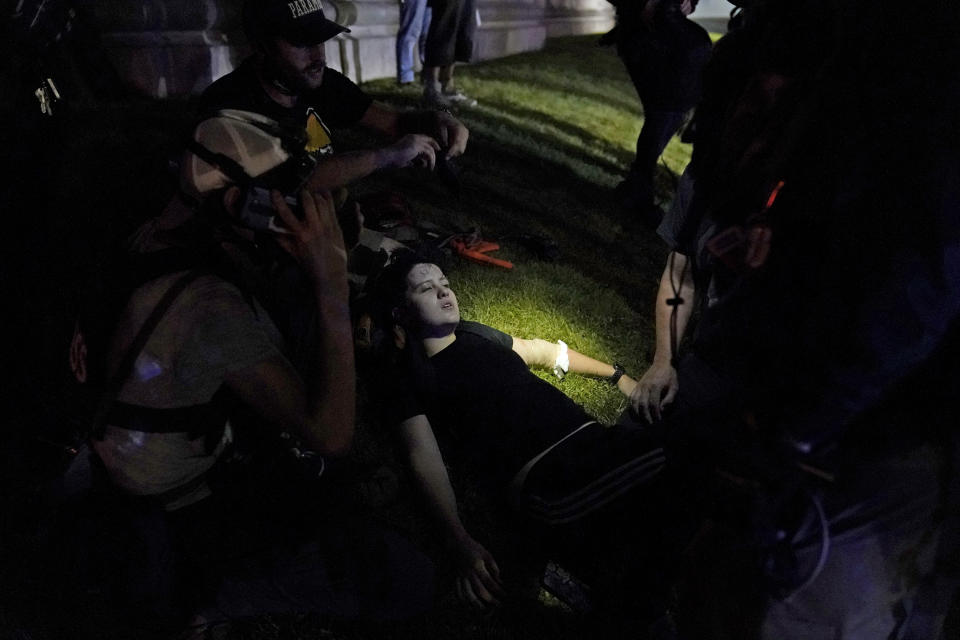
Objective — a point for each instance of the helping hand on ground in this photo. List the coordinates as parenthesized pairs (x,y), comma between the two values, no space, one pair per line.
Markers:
(656,389)
(478,582)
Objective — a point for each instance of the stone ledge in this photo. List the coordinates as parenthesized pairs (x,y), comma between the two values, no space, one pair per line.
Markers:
(155,50)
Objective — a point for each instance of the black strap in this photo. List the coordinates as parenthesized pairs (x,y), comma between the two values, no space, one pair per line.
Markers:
(139,342)
(292,138)
(195,419)
(225,163)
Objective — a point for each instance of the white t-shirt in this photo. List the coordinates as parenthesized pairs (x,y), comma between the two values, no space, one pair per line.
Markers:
(209,330)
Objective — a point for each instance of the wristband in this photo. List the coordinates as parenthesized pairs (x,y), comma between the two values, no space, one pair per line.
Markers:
(562,363)
(618,372)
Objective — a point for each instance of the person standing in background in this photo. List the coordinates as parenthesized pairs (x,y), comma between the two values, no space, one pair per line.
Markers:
(412,31)
(449,41)
(664,53)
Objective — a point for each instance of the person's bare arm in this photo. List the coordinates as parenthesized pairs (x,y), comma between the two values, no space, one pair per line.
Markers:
(418,136)
(449,132)
(340,169)
(540,353)
(658,386)
(319,410)
(478,579)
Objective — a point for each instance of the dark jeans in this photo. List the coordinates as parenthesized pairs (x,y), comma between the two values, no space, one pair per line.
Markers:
(658,128)
(664,65)
(412,32)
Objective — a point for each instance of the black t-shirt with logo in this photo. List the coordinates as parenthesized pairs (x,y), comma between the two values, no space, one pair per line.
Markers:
(487,408)
(338,102)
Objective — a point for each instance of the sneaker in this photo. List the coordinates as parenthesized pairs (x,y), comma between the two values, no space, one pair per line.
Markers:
(459,99)
(566,587)
(433,98)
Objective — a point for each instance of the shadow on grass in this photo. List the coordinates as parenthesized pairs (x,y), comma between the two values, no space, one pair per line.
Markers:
(566,64)
(506,190)
(534,133)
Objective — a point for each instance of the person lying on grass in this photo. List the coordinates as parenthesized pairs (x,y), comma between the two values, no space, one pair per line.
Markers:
(520,437)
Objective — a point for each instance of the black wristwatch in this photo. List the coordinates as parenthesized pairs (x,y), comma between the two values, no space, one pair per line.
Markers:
(618,372)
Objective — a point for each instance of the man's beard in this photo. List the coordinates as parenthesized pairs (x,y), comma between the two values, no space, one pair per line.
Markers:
(289,83)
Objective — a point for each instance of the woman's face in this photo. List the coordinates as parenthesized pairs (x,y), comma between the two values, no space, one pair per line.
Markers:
(431,303)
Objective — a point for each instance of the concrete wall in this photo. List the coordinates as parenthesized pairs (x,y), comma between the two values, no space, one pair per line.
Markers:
(177,47)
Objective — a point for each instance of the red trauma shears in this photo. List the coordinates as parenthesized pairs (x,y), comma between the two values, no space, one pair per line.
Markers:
(475,249)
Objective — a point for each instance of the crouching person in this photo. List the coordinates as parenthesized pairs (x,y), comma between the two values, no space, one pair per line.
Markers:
(194,349)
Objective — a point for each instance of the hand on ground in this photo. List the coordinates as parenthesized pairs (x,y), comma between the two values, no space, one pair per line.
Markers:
(478,579)
(656,389)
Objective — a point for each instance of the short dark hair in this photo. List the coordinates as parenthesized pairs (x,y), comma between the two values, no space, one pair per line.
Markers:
(390,287)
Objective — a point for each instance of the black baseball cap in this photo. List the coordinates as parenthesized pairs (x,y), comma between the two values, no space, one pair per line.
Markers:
(299,22)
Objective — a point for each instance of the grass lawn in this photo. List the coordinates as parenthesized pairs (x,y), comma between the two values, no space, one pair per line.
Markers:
(554,131)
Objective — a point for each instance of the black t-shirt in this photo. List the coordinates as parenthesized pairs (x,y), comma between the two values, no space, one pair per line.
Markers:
(489,411)
(338,102)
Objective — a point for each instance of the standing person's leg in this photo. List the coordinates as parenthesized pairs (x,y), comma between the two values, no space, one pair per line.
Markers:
(451,20)
(637,190)
(462,52)
(645,63)
(658,127)
(466,31)
(409,34)
(424,30)
(449,91)
(440,49)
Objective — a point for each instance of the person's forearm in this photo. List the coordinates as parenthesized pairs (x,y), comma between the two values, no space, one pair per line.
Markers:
(340,169)
(540,353)
(537,352)
(675,274)
(332,384)
(449,132)
(586,365)
(431,476)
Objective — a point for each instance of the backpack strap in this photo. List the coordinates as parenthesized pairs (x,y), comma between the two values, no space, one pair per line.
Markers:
(139,342)
(233,169)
